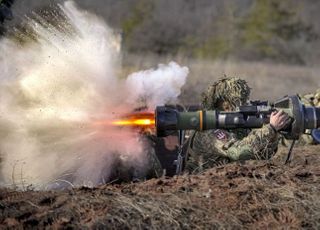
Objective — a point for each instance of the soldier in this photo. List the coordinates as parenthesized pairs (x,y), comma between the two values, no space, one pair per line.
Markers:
(214,147)
(311,99)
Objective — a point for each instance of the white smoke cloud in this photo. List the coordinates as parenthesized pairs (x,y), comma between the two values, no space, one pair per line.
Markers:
(157,87)
(55,91)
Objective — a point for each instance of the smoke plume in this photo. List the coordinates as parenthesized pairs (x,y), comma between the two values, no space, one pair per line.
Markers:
(149,85)
(58,82)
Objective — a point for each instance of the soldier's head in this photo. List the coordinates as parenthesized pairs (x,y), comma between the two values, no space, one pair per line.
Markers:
(226,94)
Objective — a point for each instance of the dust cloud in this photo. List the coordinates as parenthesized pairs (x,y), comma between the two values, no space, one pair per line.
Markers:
(58,81)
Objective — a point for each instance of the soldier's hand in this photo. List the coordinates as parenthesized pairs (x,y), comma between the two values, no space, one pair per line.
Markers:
(279,120)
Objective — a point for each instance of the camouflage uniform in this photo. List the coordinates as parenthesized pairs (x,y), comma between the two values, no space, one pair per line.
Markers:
(128,169)
(153,167)
(215,147)
(317,98)
(311,99)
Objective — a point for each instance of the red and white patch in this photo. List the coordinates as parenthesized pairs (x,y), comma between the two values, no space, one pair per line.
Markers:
(220,134)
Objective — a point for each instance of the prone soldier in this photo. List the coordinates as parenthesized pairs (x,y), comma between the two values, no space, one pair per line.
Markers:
(213,147)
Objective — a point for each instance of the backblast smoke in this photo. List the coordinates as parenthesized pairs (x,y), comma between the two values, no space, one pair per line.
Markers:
(58,78)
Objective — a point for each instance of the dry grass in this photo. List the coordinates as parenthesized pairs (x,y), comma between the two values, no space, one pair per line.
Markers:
(255,195)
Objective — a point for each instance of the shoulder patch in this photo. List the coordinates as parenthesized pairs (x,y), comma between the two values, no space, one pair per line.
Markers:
(221,135)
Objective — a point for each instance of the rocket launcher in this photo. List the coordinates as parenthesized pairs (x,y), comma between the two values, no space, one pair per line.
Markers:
(303,118)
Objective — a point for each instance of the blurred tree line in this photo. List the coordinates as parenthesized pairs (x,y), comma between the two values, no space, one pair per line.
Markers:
(284,31)
(244,29)
(270,30)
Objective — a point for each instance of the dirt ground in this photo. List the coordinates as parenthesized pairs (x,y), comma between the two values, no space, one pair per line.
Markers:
(259,195)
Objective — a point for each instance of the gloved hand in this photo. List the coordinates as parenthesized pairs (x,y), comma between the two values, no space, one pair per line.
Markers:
(279,120)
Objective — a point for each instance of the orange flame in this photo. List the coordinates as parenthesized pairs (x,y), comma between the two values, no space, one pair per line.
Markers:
(133,122)
(138,119)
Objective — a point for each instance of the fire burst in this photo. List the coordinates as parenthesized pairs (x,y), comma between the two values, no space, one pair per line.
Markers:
(138,119)
(134,122)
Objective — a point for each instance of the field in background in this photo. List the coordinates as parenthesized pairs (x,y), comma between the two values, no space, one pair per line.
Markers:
(268,81)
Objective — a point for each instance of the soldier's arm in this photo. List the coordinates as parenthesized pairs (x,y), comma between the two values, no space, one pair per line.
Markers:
(259,144)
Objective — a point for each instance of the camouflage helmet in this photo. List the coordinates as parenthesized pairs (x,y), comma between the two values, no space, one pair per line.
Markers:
(317,98)
(234,90)
(307,99)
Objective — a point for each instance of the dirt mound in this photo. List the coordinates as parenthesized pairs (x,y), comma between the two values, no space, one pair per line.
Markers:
(252,195)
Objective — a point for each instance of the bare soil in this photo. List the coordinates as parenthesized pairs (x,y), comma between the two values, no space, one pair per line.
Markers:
(257,195)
